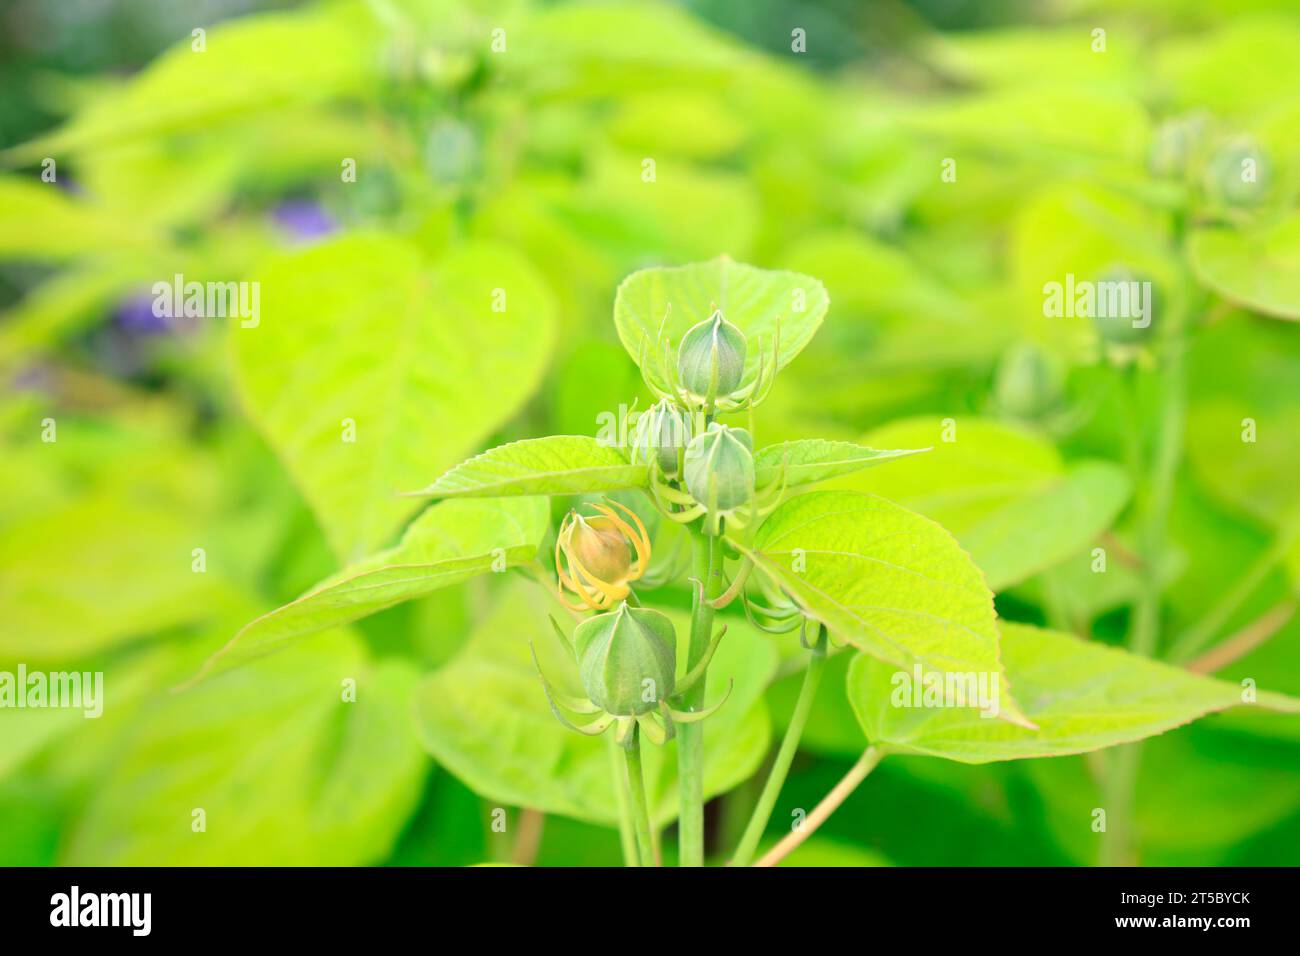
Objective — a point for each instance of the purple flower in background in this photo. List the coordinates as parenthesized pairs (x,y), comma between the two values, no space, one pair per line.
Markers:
(136,315)
(303,220)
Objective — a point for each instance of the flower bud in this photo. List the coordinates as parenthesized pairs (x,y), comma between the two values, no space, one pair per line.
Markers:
(1124,326)
(721,462)
(600,548)
(712,348)
(1237,175)
(662,434)
(1176,144)
(598,553)
(1028,383)
(627,659)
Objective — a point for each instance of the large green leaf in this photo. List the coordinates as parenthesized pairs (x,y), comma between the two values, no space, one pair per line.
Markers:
(810,460)
(93,573)
(1082,695)
(751,298)
(1005,493)
(363,331)
(451,542)
(890,582)
(558,465)
(255,63)
(485,717)
(286,770)
(1259,269)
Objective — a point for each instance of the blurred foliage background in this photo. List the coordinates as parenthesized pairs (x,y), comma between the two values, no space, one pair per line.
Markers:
(474,163)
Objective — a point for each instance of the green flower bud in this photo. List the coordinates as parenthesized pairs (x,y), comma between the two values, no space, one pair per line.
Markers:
(1238,174)
(1176,144)
(662,434)
(1028,383)
(627,659)
(713,347)
(1117,326)
(721,460)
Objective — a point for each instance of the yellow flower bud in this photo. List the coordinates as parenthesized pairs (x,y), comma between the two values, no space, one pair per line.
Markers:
(593,556)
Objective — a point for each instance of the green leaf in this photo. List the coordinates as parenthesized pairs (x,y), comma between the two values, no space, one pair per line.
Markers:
(286,770)
(1050,526)
(1261,52)
(451,542)
(94,573)
(1082,695)
(1259,269)
(1005,493)
(253,63)
(558,465)
(485,718)
(890,582)
(38,221)
(363,333)
(808,461)
(629,222)
(1041,122)
(1243,429)
(602,48)
(752,299)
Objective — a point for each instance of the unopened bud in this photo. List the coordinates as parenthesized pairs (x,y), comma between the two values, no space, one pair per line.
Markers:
(621,654)
(662,434)
(711,357)
(1238,174)
(1028,383)
(1124,306)
(720,467)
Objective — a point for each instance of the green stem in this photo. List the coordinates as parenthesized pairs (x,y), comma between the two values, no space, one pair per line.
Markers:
(622,792)
(640,810)
(690,737)
(1120,789)
(785,756)
(1164,467)
(829,804)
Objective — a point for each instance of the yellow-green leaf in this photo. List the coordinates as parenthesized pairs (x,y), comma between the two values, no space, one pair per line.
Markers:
(372,367)
(890,582)
(451,542)
(1081,694)
(558,465)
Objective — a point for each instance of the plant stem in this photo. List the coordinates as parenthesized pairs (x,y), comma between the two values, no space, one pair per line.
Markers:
(1119,792)
(1164,467)
(529,838)
(640,810)
(829,804)
(785,756)
(690,737)
(1194,640)
(626,832)
(1246,640)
